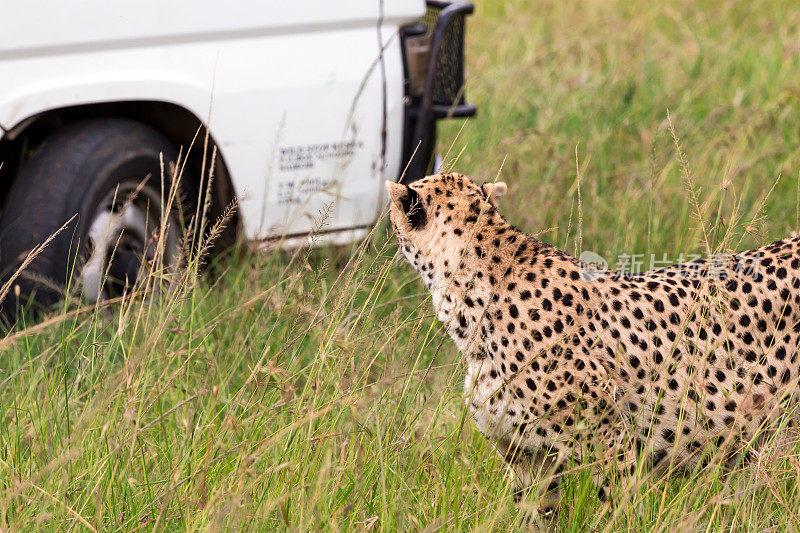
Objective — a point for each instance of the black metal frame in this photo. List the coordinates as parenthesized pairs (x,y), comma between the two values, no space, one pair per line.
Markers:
(423,111)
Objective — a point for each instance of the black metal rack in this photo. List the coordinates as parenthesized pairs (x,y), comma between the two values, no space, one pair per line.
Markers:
(434,90)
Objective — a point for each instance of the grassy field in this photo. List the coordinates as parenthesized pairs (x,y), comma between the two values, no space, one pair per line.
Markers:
(314,390)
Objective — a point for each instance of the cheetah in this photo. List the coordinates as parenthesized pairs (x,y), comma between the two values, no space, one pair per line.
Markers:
(566,361)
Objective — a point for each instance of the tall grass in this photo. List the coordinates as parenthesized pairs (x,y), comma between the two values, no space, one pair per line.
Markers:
(313,389)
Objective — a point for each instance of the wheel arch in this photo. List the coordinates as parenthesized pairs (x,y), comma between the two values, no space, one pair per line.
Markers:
(180,125)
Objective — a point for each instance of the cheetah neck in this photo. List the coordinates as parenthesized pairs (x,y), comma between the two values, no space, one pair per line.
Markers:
(472,279)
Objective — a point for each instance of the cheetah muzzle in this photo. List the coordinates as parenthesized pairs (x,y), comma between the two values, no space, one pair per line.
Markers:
(655,366)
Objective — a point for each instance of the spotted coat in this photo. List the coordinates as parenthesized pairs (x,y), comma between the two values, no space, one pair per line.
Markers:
(561,356)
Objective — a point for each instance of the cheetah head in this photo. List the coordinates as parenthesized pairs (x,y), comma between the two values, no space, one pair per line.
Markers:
(436,212)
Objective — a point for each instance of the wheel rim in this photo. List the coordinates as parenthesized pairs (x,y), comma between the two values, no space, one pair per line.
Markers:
(123,240)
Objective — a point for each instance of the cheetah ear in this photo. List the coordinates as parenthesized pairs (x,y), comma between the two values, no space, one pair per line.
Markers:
(494,190)
(409,202)
(397,191)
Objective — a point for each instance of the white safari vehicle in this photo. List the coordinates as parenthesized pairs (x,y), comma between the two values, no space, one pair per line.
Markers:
(310,106)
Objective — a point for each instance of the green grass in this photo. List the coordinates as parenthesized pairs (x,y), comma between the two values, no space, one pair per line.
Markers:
(316,391)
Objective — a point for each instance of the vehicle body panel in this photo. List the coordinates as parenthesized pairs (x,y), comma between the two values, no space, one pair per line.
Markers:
(294,93)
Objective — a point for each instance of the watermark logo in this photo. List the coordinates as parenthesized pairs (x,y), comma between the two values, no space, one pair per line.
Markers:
(594,266)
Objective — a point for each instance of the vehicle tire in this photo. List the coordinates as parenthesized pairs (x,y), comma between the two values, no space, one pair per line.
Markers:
(106,173)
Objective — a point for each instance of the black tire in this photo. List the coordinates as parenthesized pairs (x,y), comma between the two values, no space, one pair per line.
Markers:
(71,175)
